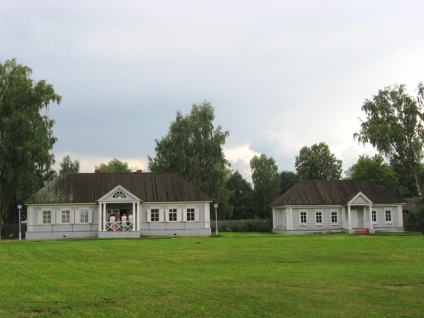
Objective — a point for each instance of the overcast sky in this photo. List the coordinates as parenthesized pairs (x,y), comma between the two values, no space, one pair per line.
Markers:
(280,74)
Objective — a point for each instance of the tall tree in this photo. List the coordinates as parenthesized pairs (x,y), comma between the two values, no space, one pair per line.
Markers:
(394,125)
(114,166)
(288,179)
(266,183)
(26,136)
(193,148)
(67,165)
(318,163)
(375,169)
(241,196)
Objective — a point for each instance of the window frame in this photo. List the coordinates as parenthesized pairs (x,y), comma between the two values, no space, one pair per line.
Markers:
(50,217)
(374,216)
(190,214)
(321,216)
(84,216)
(65,216)
(172,215)
(154,215)
(334,217)
(390,214)
(304,214)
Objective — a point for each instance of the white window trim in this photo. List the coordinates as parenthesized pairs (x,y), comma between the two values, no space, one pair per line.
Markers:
(59,216)
(78,216)
(322,217)
(300,217)
(149,215)
(179,214)
(337,216)
(391,216)
(196,215)
(52,216)
(376,216)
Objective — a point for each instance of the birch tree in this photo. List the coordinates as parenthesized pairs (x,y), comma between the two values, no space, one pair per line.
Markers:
(394,126)
(26,136)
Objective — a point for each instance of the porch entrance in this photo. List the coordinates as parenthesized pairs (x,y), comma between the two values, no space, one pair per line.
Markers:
(357,216)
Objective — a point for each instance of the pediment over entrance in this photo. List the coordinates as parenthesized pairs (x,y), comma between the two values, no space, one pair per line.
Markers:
(119,194)
(360,199)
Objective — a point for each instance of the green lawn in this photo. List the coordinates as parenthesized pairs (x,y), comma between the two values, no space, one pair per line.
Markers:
(235,275)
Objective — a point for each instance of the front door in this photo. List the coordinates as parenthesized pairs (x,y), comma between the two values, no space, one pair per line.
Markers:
(360,219)
(354,218)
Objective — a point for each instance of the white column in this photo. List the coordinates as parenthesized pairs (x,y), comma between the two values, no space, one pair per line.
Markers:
(134,217)
(100,211)
(138,219)
(400,216)
(371,225)
(349,217)
(290,218)
(105,217)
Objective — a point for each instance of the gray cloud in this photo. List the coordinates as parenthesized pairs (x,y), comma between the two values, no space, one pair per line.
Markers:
(281,75)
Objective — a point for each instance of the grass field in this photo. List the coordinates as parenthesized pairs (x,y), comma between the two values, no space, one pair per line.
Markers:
(235,275)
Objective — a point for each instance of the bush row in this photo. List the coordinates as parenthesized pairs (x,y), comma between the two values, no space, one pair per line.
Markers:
(251,225)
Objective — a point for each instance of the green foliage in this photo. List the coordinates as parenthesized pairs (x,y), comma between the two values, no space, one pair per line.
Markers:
(26,136)
(416,215)
(114,166)
(69,166)
(318,163)
(375,169)
(193,148)
(394,125)
(237,275)
(266,183)
(288,179)
(241,196)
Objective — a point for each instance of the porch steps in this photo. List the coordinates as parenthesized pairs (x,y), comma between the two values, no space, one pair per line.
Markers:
(362,231)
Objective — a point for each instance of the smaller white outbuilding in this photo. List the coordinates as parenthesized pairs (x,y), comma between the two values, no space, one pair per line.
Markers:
(353,206)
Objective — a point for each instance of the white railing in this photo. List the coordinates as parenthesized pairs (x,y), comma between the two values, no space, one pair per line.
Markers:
(119,226)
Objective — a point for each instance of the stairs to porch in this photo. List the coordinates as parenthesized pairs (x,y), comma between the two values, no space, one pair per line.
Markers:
(362,231)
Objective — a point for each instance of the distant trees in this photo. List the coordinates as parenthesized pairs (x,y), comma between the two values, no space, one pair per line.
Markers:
(241,196)
(318,163)
(114,166)
(193,148)
(375,169)
(287,180)
(266,183)
(394,125)
(26,136)
(67,165)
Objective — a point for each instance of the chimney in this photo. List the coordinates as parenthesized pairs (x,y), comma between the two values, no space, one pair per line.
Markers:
(139,171)
(97,171)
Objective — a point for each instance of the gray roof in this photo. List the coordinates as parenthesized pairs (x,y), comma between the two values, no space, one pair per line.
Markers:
(89,187)
(335,192)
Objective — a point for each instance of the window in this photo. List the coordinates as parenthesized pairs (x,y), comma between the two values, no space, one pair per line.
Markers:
(66,216)
(303,217)
(172,215)
(84,217)
(388,214)
(190,215)
(318,217)
(154,215)
(334,218)
(119,195)
(47,217)
(374,216)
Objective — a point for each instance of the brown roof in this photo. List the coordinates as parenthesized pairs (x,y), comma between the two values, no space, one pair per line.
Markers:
(334,192)
(89,187)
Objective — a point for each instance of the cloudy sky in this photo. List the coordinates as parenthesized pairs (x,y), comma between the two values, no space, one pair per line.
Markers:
(280,74)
